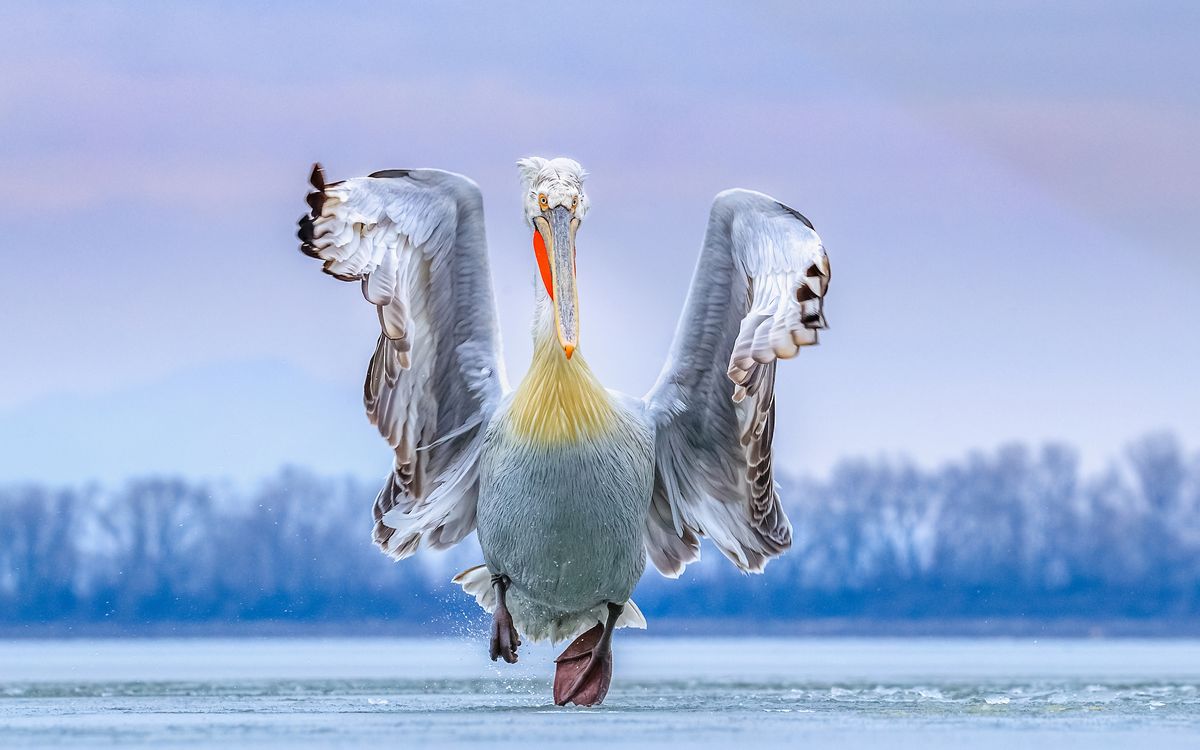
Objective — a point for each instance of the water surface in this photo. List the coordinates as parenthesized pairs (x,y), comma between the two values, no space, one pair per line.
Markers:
(694,693)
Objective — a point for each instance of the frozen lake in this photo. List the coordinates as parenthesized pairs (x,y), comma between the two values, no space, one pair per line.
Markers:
(694,693)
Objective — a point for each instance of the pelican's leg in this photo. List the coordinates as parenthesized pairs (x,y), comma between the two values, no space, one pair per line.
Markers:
(504,636)
(585,668)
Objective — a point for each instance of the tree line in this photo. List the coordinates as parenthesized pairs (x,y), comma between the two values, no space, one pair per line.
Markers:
(1015,532)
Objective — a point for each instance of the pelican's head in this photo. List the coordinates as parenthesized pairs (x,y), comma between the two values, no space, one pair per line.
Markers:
(555,205)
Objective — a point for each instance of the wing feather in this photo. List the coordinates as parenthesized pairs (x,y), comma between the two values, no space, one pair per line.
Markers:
(414,239)
(757,297)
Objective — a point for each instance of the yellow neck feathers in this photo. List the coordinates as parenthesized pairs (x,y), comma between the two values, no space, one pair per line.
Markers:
(560,399)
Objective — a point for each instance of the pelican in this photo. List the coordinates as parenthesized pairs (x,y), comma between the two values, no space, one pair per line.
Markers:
(569,486)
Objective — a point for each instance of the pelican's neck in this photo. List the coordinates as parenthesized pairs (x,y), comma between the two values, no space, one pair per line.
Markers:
(559,399)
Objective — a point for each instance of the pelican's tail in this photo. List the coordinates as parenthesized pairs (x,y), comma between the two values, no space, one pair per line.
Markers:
(477,582)
(534,620)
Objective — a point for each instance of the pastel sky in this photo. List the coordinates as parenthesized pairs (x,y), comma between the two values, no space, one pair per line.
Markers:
(1008,194)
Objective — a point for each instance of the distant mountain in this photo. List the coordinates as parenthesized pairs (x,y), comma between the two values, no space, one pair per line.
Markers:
(239,421)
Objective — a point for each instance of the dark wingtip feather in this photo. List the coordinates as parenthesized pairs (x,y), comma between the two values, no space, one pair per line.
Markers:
(305,233)
(316,202)
(384,173)
(803,219)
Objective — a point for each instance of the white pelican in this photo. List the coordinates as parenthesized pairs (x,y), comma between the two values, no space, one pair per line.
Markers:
(569,486)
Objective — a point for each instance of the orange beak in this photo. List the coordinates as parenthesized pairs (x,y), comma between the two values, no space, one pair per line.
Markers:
(554,245)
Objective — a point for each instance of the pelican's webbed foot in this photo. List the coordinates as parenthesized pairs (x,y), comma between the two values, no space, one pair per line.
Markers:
(584,669)
(504,635)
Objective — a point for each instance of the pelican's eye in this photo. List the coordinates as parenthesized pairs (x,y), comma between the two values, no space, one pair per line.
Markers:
(543,202)
(574,202)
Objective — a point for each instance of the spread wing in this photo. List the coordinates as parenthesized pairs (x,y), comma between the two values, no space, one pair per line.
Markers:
(757,296)
(415,241)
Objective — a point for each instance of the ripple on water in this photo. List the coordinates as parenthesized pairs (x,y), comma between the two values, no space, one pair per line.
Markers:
(497,695)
